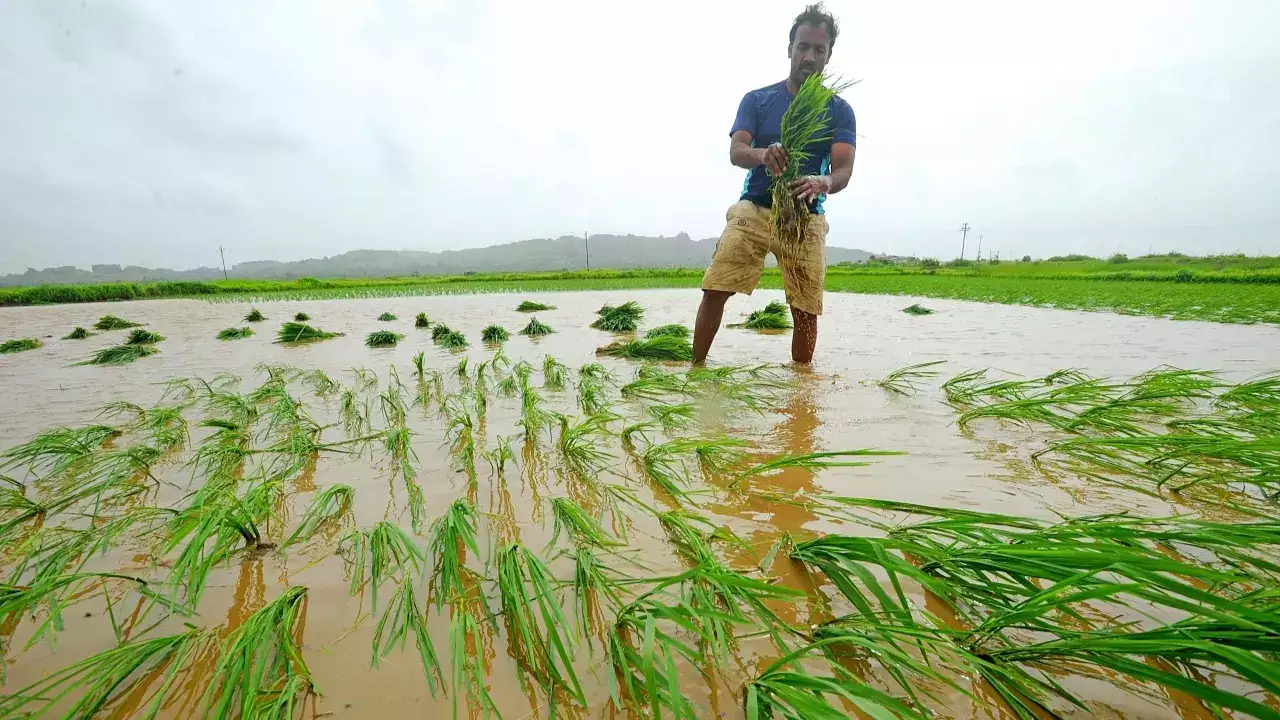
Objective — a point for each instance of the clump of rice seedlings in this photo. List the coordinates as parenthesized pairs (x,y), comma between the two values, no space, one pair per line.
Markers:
(652,383)
(536,329)
(387,317)
(301,317)
(580,444)
(623,318)
(142,336)
(663,347)
(495,334)
(453,340)
(404,617)
(260,670)
(330,506)
(774,316)
(319,382)
(531,306)
(917,309)
(254,315)
(78,334)
(235,333)
(295,332)
(578,525)
(674,330)
(119,355)
(903,380)
(463,376)
(451,535)
(382,338)
(111,322)
(377,553)
(535,622)
(419,363)
(673,417)
(421,321)
(439,330)
(553,373)
(20,345)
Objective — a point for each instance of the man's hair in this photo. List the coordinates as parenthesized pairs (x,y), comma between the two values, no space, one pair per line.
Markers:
(815,15)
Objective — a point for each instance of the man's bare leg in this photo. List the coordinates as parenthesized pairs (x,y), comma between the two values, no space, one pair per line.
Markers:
(710,313)
(804,338)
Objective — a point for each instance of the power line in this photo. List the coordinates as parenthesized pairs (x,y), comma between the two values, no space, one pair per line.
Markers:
(964,235)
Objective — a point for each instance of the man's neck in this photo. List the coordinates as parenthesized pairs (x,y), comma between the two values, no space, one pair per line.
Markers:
(792,86)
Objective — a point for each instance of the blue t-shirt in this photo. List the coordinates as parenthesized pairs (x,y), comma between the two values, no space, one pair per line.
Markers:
(760,113)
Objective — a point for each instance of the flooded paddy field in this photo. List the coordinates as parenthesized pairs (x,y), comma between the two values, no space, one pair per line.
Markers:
(328,529)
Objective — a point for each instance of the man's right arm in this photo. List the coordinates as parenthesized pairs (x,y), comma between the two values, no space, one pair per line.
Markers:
(774,158)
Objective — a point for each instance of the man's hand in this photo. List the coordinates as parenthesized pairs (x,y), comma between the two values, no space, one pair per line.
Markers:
(774,159)
(810,187)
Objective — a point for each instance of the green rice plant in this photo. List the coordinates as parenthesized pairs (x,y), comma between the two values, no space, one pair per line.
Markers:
(118,355)
(235,333)
(20,345)
(917,309)
(535,623)
(462,435)
(375,554)
(653,383)
(662,465)
(804,126)
(673,418)
(294,332)
(382,338)
(674,330)
(903,380)
(404,617)
(773,316)
(397,443)
(623,318)
(580,444)
(531,306)
(553,373)
(1258,394)
(331,506)
(142,336)
(1054,405)
(111,322)
(419,361)
(578,525)
(814,461)
(663,347)
(1145,401)
(463,377)
(536,329)
(643,654)
(439,330)
(260,670)
(593,582)
(421,321)
(301,317)
(500,455)
(453,340)
(450,536)
(254,315)
(57,451)
(494,334)
(78,333)
(533,418)
(387,317)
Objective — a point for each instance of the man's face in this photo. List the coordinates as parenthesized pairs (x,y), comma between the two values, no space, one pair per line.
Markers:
(810,51)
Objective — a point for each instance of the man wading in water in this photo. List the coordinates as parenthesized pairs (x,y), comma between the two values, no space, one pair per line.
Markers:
(747,237)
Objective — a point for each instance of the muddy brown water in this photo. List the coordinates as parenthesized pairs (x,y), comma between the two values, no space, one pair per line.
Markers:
(833,405)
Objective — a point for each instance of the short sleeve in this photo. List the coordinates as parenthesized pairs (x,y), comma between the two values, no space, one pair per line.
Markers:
(748,117)
(843,125)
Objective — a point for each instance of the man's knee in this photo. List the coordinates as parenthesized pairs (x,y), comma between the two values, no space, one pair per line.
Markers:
(715,298)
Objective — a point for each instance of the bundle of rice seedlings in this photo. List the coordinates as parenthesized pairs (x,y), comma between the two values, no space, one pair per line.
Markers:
(674,330)
(119,355)
(78,334)
(142,336)
(530,306)
(804,125)
(254,315)
(774,316)
(301,317)
(111,322)
(19,345)
(623,318)
(663,347)
(917,309)
(453,340)
(382,338)
(903,380)
(235,333)
(421,320)
(536,329)
(439,330)
(292,332)
(495,334)
(386,317)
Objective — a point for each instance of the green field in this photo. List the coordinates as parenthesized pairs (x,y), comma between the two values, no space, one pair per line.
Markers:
(1233,289)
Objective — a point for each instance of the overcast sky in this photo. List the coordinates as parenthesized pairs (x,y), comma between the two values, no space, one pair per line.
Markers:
(151,131)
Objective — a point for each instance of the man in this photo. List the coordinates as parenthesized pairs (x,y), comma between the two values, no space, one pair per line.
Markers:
(747,237)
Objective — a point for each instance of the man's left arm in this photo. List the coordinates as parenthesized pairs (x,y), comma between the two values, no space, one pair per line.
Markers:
(843,149)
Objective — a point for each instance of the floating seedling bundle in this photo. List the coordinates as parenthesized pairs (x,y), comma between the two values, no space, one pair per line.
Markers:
(292,332)
(421,321)
(386,317)
(623,318)
(235,333)
(662,347)
(494,334)
(382,338)
(111,322)
(254,315)
(536,329)
(142,336)
(530,306)
(774,316)
(20,345)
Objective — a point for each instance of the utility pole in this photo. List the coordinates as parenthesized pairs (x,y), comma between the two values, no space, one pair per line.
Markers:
(980,247)
(586,245)
(964,230)
(224,262)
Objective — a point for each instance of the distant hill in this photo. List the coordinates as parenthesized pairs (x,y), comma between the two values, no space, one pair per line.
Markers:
(562,253)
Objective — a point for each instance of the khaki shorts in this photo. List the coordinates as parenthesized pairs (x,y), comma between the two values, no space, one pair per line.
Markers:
(738,261)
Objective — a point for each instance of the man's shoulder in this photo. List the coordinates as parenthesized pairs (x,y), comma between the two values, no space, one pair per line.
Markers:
(768,90)
(839,104)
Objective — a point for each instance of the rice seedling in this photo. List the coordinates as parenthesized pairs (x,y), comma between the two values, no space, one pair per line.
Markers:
(254,315)
(377,553)
(815,461)
(450,536)
(330,506)
(774,316)
(553,373)
(580,442)
(536,329)
(19,345)
(387,317)
(461,431)
(535,623)
(382,338)
(623,318)
(294,332)
(500,455)
(235,333)
(142,336)
(663,347)
(439,330)
(643,655)
(57,451)
(917,309)
(78,333)
(578,525)
(531,306)
(421,321)
(494,334)
(118,355)
(1054,405)
(674,330)
(673,418)
(463,377)
(453,340)
(653,383)
(419,362)
(111,322)
(301,317)
(404,617)
(903,380)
